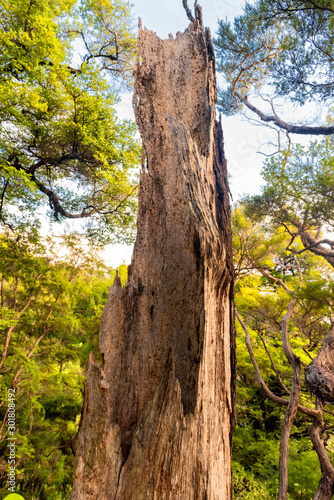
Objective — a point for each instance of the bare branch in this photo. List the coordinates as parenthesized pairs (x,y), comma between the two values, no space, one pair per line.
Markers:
(274,279)
(54,200)
(292,129)
(276,399)
(300,274)
(292,409)
(325,489)
(188,11)
(291,357)
(310,243)
(273,366)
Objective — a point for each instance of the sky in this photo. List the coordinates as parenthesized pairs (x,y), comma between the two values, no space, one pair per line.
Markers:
(242,139)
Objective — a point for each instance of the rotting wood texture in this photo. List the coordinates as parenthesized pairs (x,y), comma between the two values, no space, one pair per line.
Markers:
(158,415)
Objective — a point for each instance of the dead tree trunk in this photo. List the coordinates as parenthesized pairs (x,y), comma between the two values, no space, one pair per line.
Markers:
(158,415)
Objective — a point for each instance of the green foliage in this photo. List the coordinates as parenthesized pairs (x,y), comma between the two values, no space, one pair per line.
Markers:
(245,486)
(52,295)
(258,478)
(299,187)
(286,44)
(61,143)
(244,52)
(262,303)
(63,153)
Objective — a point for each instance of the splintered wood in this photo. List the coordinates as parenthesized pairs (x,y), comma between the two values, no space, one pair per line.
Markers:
(158,414)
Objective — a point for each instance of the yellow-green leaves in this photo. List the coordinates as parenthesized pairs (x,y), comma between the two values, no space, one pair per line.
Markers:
(60,65)
(52,292)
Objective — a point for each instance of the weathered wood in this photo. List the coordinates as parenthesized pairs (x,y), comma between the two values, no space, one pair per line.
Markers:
(158,415)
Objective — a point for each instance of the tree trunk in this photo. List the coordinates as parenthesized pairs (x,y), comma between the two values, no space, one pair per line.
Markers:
(291,412)
(325,489)
(158,415)
(319,375)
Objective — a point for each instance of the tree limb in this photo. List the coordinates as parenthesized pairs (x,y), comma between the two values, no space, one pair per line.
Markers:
(274,279)
(273,366)
(311,244)
(291,357)
(292,409)
(292,129)
(276,399)
(57,207)
(188,11)
(325,489)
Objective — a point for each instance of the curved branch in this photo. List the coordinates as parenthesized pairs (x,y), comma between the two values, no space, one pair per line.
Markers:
(273,366)
(57,207)
(325,489)
(310,243)
(269,276)
(292,129)
(55,204)
(292,409)
(291,357)
(276,399)
(188,11)
(274,279)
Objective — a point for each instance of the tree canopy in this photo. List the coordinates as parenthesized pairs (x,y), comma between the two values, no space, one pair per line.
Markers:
(61,143)
(298,196)
(284,46)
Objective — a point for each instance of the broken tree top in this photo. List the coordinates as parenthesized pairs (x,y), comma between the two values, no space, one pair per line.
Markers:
(158,413)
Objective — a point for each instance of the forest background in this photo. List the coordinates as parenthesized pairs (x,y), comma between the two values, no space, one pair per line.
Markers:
(67,156)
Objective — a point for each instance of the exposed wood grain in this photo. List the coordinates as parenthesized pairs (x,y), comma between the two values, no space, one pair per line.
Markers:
(158,414)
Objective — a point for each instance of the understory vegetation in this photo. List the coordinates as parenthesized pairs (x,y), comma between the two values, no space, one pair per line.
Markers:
(53,291)
(263,265)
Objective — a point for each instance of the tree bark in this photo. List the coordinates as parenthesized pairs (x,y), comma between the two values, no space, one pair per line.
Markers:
(158,414)
(319,375)
(325,489)
(292,409)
